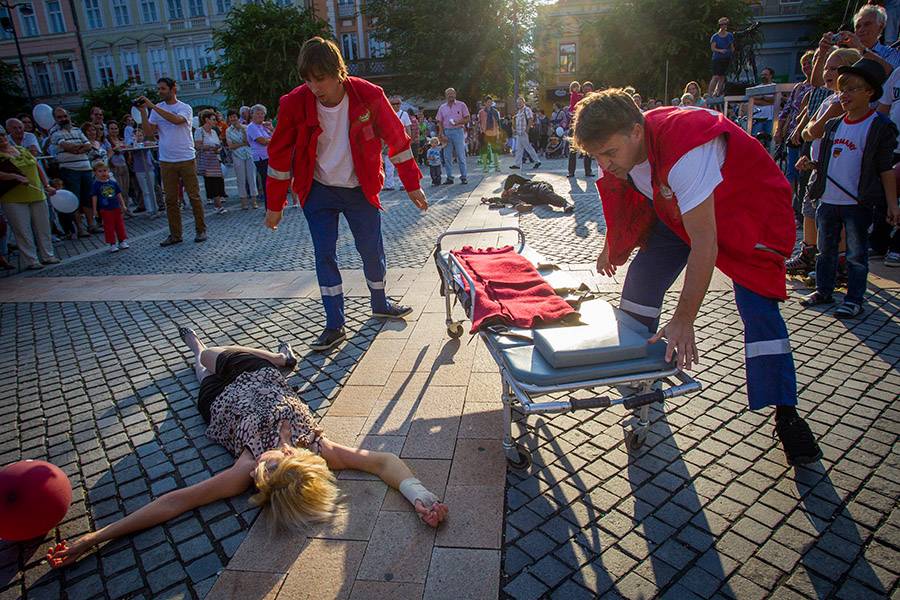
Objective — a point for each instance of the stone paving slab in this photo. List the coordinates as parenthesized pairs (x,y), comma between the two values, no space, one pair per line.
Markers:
(104,391)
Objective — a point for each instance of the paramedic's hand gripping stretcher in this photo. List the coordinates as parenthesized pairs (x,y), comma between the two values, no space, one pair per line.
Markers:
(543,346)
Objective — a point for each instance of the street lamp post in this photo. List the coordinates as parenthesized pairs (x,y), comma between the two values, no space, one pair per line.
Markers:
(26,10)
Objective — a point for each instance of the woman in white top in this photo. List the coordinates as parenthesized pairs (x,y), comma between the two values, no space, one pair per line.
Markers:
(206,139)
(242,159)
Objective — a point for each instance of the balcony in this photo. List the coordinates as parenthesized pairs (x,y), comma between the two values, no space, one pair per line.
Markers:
(368,67)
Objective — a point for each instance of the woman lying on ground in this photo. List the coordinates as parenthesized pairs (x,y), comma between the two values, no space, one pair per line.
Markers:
(257,416)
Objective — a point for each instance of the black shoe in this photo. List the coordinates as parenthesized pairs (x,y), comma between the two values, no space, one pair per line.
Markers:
(588,174)
(800,447)
(393,311)
(537,165)
(570,175)
(329,339)
(200,237)
(170,241)
(815,299)
(514,167)
(290,359)
(463,180)
(569,209)
(448,181)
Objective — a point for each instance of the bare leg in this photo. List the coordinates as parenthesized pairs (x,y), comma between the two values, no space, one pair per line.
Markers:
(189,336)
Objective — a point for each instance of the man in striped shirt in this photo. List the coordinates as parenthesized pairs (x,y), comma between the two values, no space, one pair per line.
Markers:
(71,148)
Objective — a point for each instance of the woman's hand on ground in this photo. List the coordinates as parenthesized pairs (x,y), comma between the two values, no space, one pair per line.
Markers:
(434,515)
(273,218)
(62,554)
(418,198)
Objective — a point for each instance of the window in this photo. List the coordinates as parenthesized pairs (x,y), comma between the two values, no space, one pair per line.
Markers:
(205,58)
(104,64)
(196,8)
(349,46)
(567,58)
(55,17)
(120,12)
(4,34)
(42,78)
(377,48)
(176,11)
(149,11)
(67,68)
(184,58)
(346,8)
(131,62)
(159,62)
(29,23)
(223,6)
(94,16)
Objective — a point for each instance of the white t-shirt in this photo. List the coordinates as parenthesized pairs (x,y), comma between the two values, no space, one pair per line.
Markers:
(207,139)
(891,95)
(692,179)
(823,108)
(29,140)
(846,160)
(176,144)
(334,163)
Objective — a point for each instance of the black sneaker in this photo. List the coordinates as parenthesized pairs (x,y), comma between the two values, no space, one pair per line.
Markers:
(537,165)
(329,339)
(201,237)
(800,447)
(393,311)
(514,167)
(448,181)
(463,180)
(290,359)
(170,241)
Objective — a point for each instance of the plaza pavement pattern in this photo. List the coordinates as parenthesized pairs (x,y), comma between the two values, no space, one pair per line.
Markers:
(707,508)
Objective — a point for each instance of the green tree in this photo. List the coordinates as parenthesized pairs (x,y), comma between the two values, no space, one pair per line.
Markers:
(466,44)
(637,37)
(115,100)
(259,47)
(12,96)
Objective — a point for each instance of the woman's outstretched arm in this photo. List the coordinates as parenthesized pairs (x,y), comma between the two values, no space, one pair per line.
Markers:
(226,484)
(389,467)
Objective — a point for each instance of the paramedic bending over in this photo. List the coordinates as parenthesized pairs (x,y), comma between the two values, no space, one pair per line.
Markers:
(706,194)
(278,447)
(328,138)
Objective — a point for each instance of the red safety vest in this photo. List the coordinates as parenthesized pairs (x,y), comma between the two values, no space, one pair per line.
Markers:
(754,218)
(292,149)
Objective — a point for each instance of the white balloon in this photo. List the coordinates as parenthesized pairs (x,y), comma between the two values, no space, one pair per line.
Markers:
(64,201)
(43,116)
(136,115)
(559,131)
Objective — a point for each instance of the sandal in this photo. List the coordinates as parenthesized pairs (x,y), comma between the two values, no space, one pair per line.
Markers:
(815,299)
(848,310)
(186,331)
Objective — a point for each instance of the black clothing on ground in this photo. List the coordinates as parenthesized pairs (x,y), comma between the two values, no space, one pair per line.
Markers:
(535,193)
(229,365)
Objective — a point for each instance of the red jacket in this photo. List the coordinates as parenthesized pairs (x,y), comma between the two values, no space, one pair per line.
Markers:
(754,218)
(292,149)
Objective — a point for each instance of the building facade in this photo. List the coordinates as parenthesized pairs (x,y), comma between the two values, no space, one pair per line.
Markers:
(50,50)
(110,41)
(788,31)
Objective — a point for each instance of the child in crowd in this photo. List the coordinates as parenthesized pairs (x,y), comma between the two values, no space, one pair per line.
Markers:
(855,178)
(142,163)
(574,95)
(107,196)
(433,156)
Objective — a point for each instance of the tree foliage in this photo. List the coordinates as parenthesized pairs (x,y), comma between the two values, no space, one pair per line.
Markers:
(12,96)
(466,44)
(115,100)
(259,47)
(637,37)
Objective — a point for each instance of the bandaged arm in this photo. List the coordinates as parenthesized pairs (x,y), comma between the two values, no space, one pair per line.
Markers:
(412,489)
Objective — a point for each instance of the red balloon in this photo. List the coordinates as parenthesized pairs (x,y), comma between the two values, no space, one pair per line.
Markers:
(34,497)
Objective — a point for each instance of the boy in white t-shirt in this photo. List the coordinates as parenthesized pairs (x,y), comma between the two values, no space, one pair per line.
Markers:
(884,238)
(855,178)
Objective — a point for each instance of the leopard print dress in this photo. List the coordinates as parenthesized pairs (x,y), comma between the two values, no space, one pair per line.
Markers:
(248,412)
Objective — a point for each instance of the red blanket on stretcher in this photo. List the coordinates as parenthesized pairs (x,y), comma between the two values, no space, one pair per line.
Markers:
(509,290)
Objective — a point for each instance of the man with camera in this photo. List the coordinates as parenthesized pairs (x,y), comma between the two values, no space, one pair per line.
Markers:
(171,121)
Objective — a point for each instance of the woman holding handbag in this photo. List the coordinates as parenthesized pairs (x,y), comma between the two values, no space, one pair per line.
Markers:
(242,159)
(206,139)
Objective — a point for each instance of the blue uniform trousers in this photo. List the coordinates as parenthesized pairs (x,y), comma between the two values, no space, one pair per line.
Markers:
(771,378)
(323,207)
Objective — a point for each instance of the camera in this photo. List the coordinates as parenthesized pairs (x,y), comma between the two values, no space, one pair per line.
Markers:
(836,39)
(137,103)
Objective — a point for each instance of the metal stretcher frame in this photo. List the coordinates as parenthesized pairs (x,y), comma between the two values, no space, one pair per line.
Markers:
(643,388)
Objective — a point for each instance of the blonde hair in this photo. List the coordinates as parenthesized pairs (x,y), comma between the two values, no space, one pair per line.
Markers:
(99,164)
(574,87)
(299,490)
(847,56)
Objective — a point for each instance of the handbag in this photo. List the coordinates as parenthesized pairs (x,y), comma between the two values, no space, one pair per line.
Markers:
(7,166)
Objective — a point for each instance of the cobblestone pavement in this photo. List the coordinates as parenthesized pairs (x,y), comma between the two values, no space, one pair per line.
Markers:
(708,507)
(239,242)
(104,391)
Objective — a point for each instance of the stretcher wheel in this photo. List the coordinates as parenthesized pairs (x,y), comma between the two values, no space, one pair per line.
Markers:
(634,439)
(455,330)
(522,461)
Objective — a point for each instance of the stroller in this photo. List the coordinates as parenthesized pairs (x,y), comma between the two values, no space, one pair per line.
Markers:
(557,147)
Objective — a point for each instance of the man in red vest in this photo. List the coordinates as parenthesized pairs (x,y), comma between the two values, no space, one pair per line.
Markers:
(328,140)
(694,191)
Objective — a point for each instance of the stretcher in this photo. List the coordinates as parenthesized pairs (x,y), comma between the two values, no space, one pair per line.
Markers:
(635,382)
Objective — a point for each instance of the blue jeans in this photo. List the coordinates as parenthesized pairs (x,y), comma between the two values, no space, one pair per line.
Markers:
(793,154)
(323,208)
(855,219)
(771,378)
(456,140)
